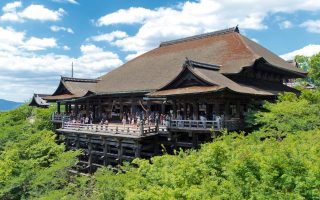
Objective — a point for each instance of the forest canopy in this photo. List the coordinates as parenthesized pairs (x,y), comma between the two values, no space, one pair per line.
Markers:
(280,159)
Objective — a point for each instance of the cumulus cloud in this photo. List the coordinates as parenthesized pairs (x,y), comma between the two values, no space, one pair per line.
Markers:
(108,37)
(308,50)
(35,44)
(66,48)
(312,26)
(285,24)
(61,28)
(66,1)
(32,12)
(25,72)
(11,7)
(190,18)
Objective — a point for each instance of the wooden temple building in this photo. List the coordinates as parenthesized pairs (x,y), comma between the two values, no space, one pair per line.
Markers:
(174,96)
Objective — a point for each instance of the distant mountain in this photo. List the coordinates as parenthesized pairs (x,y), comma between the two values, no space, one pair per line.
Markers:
(8,105)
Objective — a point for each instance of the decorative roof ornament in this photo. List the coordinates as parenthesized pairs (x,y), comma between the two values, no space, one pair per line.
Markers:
(197,64)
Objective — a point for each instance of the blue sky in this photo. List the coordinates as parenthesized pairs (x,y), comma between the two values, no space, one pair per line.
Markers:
(39,39)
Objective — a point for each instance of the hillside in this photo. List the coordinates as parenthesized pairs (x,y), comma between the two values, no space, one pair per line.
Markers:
(279,159)
(8,105)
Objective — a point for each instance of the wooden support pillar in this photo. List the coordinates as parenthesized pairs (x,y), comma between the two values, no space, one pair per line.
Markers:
(185,110)
(121,110)
(89,154)
(76,109)
(99,108)
(174,110)
(156,145)
(105,152)
(195,110)
(66,108)
(137,149)
(133,105)
(120,151)
(238,114)
(58,107)
(69,108)
(195,140)
(148,108)
(163,108)
(87,108)
(227,110)
(77,141)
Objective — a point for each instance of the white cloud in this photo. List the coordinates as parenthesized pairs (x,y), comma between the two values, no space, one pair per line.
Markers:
(308,50)
(39,12)
(285,24)
(61,28)
(66,48)
(108,37)
(189,18)
(66,1)
(312,26)
(25,72)
(130,16)
(32,12)
(13,17)
(35,44)
(11,7)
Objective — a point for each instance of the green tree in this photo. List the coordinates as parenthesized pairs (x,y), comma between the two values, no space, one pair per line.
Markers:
(312,66)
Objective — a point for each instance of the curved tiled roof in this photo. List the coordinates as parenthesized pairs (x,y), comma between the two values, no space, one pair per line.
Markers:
(227,49)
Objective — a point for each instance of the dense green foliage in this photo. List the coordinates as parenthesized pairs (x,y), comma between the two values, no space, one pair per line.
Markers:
(31,163)
(312,66)
(279,160)
(288,115)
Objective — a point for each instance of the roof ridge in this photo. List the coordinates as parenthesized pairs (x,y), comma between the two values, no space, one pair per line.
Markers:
(200,36)
(63,78)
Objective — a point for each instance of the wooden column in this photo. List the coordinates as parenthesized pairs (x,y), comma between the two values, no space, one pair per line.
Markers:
(76,109)
(105,152)
(174,110)
(87,108)
(163,108)
(156,145)
(194,140)
(58,107)
(121,109)
(120,151)
(137,149)
(196,110)
(66,108)
(89,154)
(78,141)
(99,108)
(185,110)
(227,109)
(238,109)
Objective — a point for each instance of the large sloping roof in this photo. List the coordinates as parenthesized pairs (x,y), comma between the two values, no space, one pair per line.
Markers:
(154,69)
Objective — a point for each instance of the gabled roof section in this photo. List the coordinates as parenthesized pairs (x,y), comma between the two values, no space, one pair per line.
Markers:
(73,88)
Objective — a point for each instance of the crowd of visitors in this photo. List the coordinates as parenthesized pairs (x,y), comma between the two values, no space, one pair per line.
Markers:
(135,119)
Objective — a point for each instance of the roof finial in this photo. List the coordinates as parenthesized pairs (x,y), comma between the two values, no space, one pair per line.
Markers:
(236,29)
(71,69)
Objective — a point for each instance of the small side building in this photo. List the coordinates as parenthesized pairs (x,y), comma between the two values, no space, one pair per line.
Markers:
(38,101)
